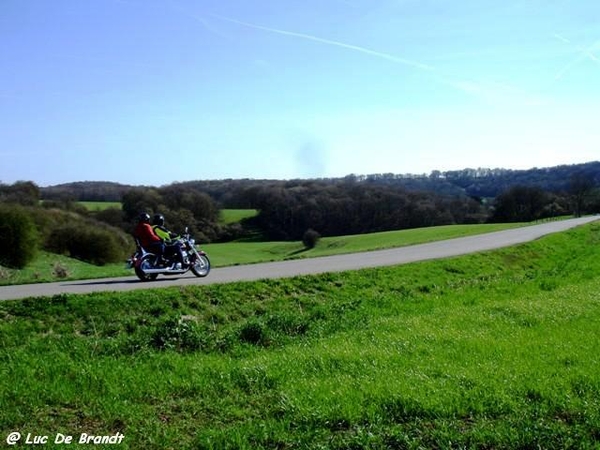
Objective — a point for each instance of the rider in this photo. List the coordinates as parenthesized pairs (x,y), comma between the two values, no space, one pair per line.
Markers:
(149,240)
(158,225)
(172,244)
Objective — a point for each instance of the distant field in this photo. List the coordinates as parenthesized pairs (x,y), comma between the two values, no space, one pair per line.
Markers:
(229,216)
(496,350)
(98,206)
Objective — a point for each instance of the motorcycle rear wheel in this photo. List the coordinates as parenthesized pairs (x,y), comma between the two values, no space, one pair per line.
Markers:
(201,266)
(145,263)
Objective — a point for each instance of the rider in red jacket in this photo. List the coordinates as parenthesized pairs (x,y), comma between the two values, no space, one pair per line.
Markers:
(147,237)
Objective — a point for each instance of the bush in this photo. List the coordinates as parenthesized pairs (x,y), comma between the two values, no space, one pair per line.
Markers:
(88,242)
(111,216)
(47,220)
(60,271)
(310,238)
(19,237)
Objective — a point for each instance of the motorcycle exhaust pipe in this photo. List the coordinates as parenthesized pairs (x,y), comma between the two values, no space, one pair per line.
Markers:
(164,271)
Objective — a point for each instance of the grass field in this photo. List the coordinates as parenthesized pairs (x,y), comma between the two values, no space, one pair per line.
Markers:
(497,350)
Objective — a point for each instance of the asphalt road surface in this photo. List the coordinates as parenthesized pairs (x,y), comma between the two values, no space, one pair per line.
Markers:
(337,263)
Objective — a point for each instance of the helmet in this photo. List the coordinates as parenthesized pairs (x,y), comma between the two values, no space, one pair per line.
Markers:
(144,217)
(158,219)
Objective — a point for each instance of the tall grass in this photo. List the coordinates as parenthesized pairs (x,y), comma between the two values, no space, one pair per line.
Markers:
(494,350)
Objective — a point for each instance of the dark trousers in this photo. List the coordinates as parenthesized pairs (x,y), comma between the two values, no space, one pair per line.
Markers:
(158,248)
(174,250)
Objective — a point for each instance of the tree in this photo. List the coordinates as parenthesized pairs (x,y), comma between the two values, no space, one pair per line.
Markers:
(310,238)
(22,192)
(520,204)
(139,200)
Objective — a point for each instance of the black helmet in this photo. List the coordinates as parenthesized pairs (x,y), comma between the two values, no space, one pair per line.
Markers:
(144,217)
(158,219)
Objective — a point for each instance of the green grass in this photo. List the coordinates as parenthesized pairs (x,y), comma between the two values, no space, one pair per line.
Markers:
(494,350)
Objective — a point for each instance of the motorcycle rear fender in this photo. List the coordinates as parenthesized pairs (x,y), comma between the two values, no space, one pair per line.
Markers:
(143,256)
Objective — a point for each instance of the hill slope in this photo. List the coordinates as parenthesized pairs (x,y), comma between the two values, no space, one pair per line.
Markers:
(495,350)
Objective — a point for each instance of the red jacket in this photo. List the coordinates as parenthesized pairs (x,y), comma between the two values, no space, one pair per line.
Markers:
(146,235)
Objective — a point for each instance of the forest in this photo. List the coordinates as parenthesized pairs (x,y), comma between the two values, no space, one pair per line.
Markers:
(288,209)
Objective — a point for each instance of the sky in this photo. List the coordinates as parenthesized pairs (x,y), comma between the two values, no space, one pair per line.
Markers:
(160,91)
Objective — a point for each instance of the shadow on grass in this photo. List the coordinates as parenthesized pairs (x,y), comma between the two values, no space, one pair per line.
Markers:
(299,252)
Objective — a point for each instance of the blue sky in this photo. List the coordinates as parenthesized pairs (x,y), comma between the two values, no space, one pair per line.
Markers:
(154,92)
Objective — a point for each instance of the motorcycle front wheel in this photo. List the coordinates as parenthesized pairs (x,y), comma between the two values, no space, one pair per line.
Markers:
(201,266)
(145,263)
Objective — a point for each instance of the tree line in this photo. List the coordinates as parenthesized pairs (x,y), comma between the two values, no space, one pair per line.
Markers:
(482,183)
(287,211)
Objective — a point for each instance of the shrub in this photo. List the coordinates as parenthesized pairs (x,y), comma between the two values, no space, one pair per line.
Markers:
(111,216)
(180,334)
(88,242)
(19,237)
(60,271)
(310,238)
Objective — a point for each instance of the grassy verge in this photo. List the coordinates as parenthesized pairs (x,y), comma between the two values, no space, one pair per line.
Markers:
(494,350)
(49,267)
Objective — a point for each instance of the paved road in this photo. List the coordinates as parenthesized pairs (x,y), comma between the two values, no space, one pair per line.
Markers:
(337,263)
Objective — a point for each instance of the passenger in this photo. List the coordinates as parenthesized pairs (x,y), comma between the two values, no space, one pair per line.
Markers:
(173,246)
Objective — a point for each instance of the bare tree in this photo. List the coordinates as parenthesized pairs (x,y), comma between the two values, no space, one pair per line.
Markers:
(580,186)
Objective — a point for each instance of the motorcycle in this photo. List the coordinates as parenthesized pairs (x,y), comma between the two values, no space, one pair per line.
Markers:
(148,266)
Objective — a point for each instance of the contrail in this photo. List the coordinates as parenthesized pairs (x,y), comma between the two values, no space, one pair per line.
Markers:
(387,56)
(469,87)
(560,37)
(584,53)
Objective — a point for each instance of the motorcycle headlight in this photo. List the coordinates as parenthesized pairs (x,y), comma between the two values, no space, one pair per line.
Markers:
(192,242)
